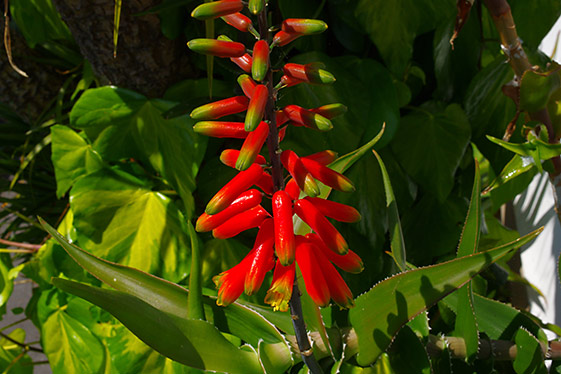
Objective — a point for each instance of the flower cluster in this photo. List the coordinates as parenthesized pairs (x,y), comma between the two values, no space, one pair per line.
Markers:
(237,206)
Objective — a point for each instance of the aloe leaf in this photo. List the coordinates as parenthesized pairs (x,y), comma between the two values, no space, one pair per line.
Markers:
(529,355)
(397,243)
(191,342)
(382,311)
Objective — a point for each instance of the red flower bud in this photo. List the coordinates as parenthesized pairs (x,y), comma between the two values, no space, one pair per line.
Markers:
(221,108)
(234,188)
(247,84)
(282,133)
(245,201)
(338,289)
(252,146)
(307,118)
(216,9)
(287,81)
(256,108)
(328,176)
(292,189)
(324,157)
(303,26)
(314,280)
(243,221)
(296,168)
(330,111)
(218,48)
(317,221)
(350,262)
(280,291)
(244,61)
(282,38)
(266,183)
(284,229)
(308,73)
(219,129)
(239,21)
(260,64)
(281,118)
(337,211)
(229,157)
(263,259)
(231,283)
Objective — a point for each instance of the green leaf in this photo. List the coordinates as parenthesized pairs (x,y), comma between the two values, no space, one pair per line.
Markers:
(466,325)
(240,320)
(430,144)
(410,355)
(119,218)
(195,306)
(529,356)
(65,341)
(6,285)
(72,157)
(10,354)
(382,311)
(393,26)
(525,13)
(536,89)
(364,86)
(123,124)
(192,342)
(397,243)
(116,24)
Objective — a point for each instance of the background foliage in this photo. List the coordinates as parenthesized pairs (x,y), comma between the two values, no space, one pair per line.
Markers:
(120,173)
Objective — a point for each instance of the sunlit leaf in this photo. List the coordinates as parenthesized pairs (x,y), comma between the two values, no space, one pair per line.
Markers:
(405,295)
(529,355)
(10,354)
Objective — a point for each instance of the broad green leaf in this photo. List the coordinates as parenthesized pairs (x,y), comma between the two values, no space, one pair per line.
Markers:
(466,325)
(403,296)
(393,26)
(420,325)
(192,342)
(537,88)
(410,355)
(430,144)
(397,243)
(241,320)
(10,354)
(529,356)
(72,157)
(513,179)
(364,86)
(119,218)
(123,124)
(65,341)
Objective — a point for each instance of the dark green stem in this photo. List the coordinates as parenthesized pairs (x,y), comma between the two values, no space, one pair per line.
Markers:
(195,307)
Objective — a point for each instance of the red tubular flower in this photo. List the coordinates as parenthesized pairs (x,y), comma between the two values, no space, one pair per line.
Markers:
(289,81)
(245,201)
(284,230)
(328,176)
(264,258)
(234,188)
(282,133)
(330,111)
(282,38)
(216,9)
(292,189)
(230,283)
(324,157)
(317,221)
(256,108)
(221,108)
(229,157)
(307,118)
(280,291)
(247,84)
(337,211)
(350,262)
(314,279)
(296,168)
(244,62)
(239,21)
(338,289)
(244,221)
(260,64)
(252,146)
(266,183)
(303,26)
(218,48)
(310,73)
(281,118)
(219,129)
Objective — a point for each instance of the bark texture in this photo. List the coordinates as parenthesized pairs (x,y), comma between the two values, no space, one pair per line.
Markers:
(146,61)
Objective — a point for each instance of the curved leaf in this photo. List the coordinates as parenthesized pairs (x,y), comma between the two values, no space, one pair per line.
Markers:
(382,311)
